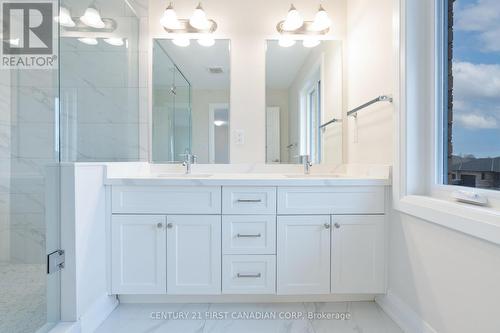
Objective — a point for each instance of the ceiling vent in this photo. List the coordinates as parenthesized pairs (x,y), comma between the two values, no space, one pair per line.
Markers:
(215,70)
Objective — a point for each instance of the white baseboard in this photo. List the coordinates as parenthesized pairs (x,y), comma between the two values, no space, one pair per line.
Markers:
(98,313)
(244,298)
(402,314)
(66,327)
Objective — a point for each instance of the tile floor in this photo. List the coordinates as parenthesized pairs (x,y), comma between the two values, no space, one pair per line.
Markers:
(365,317)
(22,297)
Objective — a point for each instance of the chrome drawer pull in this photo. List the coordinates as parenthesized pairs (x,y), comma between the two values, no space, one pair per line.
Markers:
(248,236)
(258,275)
(249,200)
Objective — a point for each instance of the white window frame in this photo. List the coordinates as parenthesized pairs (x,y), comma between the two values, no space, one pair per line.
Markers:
(418,188)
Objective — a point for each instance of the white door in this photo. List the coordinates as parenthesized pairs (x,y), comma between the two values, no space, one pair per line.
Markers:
(138,254)
(358,252)
(273,141)
(194,254)
(303,255)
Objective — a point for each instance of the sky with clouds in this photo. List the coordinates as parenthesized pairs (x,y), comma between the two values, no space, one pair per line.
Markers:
(476,71)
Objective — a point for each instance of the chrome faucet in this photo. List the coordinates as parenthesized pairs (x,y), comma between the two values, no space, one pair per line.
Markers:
(306,160)
(189,159)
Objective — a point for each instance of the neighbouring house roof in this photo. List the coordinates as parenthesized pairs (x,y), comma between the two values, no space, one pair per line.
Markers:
(475,164)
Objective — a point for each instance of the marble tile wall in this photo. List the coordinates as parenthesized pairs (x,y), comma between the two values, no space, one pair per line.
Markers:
(104,88)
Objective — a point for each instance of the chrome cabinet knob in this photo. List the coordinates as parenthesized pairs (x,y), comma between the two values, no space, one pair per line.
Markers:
(159,225)
(170,225)
(327,225)
(337,225)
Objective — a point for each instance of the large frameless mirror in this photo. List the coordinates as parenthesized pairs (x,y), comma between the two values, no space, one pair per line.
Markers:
(190,101)
(303,94)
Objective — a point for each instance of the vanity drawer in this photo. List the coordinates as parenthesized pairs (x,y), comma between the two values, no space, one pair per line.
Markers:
(249,234)
(166,200)
(331,200)
(248,274)
(249,200)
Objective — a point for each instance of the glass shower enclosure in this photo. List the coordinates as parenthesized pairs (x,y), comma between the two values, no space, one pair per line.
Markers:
(29,177)
(171,108)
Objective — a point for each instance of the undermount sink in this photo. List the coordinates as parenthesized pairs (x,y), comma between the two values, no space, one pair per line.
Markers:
(183,175)
(326,176)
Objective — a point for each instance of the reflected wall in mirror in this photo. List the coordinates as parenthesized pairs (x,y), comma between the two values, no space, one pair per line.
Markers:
(304,91)
(190,101)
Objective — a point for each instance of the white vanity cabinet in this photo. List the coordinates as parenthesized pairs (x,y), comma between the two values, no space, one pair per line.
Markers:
(358,254)
(235,240)
(193,254)
(303,255)
(138,254)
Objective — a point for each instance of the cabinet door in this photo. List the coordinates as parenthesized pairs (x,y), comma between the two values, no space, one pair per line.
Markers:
(193,255)
(303,255)
(138,254)
(358,254)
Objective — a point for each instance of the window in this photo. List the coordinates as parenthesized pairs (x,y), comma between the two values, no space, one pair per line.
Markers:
(471,107)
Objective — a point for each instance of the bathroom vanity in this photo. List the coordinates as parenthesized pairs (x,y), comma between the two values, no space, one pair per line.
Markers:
(246,233)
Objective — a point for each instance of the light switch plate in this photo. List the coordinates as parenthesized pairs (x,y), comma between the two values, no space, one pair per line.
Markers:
(239,137)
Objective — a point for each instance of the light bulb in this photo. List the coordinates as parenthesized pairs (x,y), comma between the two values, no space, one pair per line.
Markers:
(206,41)
(114,41)
(310,43)
(321,20)
(286,42)
(293,19)
(64,18)
(169,19)
(181,41)
(88,41)
(199,19)
(92,18)
(219,123)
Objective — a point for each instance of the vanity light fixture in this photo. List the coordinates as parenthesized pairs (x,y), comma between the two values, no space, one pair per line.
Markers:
(181,41)
(206,41)
(115,41)
(321,20)
(169,19)
(309,43)
(92,18)
(198,23)
(199,19)
(293,19)
(88,41)
(64,18)
(294,24)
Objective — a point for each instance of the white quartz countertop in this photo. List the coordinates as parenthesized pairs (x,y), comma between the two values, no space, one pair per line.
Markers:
(143,174)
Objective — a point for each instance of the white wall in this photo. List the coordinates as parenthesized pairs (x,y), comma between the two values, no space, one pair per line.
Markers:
(248,24)
(370,73)
(449,279)
(83,236)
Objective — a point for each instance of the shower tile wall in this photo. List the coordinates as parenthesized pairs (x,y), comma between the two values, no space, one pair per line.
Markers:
(104,88)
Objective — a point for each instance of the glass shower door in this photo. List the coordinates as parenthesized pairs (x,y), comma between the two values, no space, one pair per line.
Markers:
(181,129)
(29,198)
(171,109)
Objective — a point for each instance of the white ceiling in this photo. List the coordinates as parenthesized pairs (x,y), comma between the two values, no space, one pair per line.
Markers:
(193,61)
(283,63)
